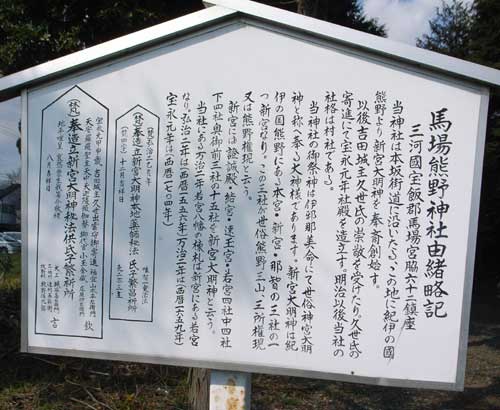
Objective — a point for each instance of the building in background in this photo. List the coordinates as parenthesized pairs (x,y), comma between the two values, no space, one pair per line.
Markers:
(10,208)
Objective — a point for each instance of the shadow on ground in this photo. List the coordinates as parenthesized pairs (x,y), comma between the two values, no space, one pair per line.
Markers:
(46,382)
(482,382)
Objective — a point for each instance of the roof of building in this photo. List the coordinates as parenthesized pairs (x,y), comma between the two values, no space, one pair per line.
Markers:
(226,10)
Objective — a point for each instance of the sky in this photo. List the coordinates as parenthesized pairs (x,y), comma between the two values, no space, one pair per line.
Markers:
(405,21)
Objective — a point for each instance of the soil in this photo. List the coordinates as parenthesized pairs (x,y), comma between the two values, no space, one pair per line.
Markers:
(46,382)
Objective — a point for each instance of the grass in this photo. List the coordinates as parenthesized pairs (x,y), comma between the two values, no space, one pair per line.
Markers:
(10,268)
(60,383)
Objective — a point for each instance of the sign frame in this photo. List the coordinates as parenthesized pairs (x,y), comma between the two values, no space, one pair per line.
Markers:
(249,367)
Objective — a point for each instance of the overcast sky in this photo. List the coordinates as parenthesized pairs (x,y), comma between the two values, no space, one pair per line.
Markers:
(405,21)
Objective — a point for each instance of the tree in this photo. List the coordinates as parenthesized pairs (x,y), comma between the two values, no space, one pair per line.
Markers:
(34,31)
(13,177)
(485,49)
(18,141)
(347,13)
(485,35)
(450,30)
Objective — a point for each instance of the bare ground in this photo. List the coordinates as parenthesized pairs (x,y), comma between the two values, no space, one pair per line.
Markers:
(46,382)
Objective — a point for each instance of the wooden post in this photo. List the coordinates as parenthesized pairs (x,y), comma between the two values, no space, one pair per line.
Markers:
(199,388)
(219,390)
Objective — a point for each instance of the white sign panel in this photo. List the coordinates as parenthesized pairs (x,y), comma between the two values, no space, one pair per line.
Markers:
(290,208)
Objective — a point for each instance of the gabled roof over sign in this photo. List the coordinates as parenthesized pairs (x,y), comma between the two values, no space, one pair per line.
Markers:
(226,10)
(370,43)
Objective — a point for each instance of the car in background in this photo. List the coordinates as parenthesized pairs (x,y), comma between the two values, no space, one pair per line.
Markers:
(9,244)
(14,235)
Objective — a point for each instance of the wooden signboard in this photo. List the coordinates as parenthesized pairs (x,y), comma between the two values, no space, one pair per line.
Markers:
(241,194)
